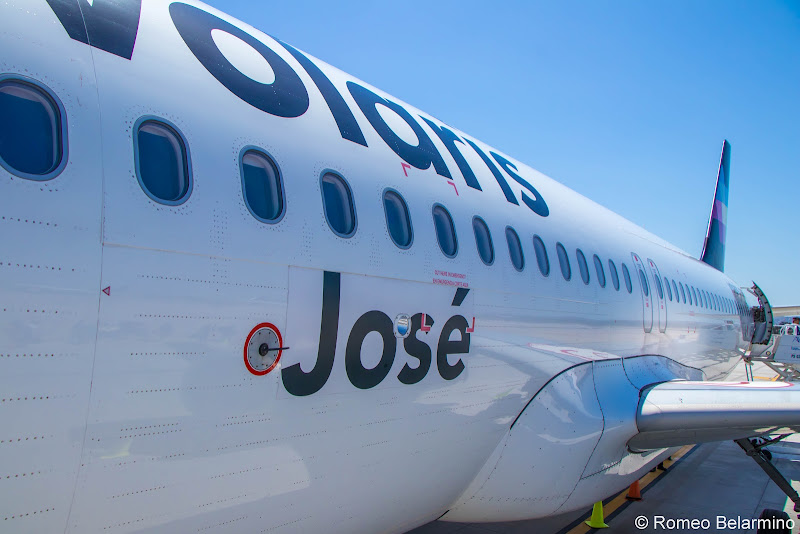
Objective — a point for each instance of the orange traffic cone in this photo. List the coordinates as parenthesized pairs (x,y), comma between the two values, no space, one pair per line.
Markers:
(634,493)
(596,521)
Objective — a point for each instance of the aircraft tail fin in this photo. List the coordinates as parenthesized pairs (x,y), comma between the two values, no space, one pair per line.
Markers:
(714,246)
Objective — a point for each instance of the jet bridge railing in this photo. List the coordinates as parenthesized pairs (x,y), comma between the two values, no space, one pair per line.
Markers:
(781,354)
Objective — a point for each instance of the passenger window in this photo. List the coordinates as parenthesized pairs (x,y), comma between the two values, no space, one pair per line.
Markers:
(541,255)
(669,289)
(683,294)
(675,290)
(162,163)
(515,249)
(483,240)
(643,280)
(32,131)
(612,269)
(398,222)
(626,275)
(445,231)
(584,269)
(563,261)
(694,294)
(598,267)
(261,183)
(337,201)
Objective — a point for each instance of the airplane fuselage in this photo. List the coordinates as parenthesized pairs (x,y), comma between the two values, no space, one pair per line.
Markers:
(406,378)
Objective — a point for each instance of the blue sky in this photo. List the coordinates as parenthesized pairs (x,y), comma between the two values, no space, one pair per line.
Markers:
(625,102)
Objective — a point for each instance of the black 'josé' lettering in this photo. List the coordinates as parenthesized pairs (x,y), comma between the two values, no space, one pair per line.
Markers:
(360,376)
(416,349)
(461,346)
(295,380)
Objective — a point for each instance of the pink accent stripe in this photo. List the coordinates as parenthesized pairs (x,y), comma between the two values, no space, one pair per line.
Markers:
(719,210)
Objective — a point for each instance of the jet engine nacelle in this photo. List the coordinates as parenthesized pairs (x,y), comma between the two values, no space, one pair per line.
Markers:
(568,448)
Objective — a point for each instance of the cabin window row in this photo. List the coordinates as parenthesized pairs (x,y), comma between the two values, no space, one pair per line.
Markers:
(164,171)
(688,294)
(584,270)
(33,145)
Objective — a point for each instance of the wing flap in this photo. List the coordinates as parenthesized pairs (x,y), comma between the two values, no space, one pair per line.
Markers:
(680,413)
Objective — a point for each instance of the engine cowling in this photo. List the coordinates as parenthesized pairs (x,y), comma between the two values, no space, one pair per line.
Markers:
(568,447)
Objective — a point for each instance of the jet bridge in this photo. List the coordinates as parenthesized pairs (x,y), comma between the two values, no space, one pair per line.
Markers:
(768,345)
(762,317)
(761,333)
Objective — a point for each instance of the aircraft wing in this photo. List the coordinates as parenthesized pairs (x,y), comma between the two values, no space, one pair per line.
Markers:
(680,413)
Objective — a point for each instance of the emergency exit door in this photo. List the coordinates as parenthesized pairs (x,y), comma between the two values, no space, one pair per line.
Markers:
(647,297)
(659,297)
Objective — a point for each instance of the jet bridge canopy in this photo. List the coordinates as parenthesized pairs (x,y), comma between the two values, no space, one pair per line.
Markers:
(762,317)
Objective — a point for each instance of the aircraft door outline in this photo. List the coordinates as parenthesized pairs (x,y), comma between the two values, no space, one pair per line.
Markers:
(661,307)
(647,300)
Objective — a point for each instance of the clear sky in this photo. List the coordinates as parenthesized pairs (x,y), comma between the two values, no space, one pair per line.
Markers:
(625,102)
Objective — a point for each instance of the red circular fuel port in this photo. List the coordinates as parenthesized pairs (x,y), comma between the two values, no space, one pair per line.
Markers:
(263,349)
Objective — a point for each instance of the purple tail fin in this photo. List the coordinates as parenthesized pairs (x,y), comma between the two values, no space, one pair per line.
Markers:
(714,246)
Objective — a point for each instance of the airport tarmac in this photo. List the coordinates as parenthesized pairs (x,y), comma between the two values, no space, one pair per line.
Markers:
(704,482)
